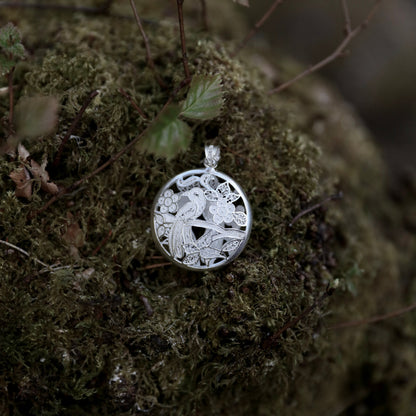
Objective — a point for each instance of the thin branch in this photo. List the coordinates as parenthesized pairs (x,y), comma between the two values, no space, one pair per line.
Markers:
(11,100)
(183,41)
(347,17)
(102,243)
(204,15)
(339,195)
(20,250)
(133,103)
(73,126)
(272,341)
(257,26)
(155,266)
(339,51)
(375,318)
(149,58)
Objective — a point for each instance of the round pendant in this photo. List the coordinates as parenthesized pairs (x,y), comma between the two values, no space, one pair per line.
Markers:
(201,219)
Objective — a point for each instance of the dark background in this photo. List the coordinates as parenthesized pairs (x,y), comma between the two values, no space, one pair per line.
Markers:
(377,76)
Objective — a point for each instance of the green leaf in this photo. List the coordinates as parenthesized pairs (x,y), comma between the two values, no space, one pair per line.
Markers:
(204,99)
(35,116)
(11,48)
(168,136)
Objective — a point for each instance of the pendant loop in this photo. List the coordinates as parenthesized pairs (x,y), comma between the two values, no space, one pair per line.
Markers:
(212,156)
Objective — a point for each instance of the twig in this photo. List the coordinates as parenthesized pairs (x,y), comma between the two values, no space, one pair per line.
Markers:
(183,42)
(11,100)
(339,50)
(204,15)
(347,16)
(133,103)
(102,243)
(273,339)
(256,27)
(339,195)
(155,266)
(375,318)
(20,250)
(73,126)
(149,59)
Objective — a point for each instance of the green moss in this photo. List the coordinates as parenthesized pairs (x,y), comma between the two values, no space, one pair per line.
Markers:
(82,339)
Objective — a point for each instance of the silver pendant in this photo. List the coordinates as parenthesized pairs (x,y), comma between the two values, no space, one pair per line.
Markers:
(201,219)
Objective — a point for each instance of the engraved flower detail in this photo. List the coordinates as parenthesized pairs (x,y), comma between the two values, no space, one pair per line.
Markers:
(168,202)
(224,209)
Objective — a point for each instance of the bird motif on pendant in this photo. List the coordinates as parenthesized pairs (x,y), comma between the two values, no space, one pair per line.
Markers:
(181,231)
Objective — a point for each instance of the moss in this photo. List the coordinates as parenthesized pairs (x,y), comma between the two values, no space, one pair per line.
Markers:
(107,334)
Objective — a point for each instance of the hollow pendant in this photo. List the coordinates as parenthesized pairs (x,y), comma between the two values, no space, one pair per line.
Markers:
(201,219)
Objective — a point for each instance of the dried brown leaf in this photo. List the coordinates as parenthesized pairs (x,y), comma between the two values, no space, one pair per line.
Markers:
(21,177)
(39,172)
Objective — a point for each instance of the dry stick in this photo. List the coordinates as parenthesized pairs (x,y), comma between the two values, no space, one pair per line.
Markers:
(73,126)
(273,339)
(102,243)
(155,266)
(374,319)
(339,50)
(11,100)
(133,103)
(339,195)
(149,59)
(347,16)
(204,14)
(183,42)
(256,27)
(20,250)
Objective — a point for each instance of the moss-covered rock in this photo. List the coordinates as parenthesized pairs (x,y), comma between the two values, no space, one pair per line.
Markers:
(113,329)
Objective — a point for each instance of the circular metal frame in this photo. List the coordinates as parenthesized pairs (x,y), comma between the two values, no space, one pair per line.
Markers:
(201,219)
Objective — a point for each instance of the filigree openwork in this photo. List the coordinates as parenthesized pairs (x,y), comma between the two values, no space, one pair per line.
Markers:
(201,219)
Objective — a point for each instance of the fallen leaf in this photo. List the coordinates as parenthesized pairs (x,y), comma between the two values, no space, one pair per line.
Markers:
(39,172)
(21,177)
(73,235)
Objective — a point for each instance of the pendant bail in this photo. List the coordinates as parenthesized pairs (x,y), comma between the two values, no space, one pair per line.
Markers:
(212,156)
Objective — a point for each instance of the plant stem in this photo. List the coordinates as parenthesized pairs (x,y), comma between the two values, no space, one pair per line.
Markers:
(256,27)
(183,41)
(149,58)
(375,318)
(11,100)
(133,103)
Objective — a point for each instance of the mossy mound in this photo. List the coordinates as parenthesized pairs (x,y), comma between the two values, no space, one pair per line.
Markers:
(113,331)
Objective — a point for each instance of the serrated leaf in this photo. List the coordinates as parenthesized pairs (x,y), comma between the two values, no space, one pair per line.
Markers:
(204,99)
(35,116)
(11,48)
(168,136)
